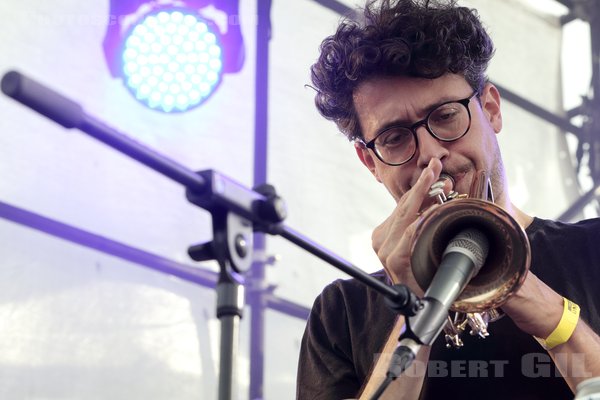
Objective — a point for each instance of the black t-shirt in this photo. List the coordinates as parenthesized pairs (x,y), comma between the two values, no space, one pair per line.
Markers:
(349,324)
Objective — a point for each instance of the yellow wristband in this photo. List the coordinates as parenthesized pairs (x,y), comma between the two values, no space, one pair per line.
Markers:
(565,327)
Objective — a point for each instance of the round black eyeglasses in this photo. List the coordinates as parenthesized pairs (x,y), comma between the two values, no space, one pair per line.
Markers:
(397,145)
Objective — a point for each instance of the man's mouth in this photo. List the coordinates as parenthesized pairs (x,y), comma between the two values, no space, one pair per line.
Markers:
(457,182)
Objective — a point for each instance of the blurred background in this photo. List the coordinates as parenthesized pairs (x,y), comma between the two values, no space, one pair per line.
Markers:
(87,310)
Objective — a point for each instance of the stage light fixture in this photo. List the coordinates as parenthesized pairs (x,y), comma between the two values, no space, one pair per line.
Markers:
(169,55)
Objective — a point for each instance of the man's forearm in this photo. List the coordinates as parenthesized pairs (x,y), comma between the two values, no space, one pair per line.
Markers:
(406,387)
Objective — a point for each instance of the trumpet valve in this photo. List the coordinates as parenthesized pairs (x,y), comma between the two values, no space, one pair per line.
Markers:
(443,189)
(478,323)
(437,191)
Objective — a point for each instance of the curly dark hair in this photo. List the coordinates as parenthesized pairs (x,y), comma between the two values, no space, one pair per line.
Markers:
(418,38)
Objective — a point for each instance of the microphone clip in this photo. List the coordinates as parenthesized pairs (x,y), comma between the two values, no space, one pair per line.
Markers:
(421,314)
(426,324)
(405,302)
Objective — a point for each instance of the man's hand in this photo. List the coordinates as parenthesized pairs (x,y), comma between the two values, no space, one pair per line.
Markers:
(392,239)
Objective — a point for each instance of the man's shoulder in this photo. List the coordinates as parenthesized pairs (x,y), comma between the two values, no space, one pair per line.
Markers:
(544,227)
(350,294)
(352,286)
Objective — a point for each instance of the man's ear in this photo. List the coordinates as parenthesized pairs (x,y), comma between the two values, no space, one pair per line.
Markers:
(490,102)
(366,158)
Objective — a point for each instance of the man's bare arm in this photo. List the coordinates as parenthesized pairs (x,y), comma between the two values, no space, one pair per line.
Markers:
(406,387)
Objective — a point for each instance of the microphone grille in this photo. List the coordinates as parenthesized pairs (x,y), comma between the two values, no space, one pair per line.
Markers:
(471,242)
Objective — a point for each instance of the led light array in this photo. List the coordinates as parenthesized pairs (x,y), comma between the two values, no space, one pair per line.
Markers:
(172,61)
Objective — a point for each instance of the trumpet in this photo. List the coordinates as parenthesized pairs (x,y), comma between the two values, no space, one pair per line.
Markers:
(502,273)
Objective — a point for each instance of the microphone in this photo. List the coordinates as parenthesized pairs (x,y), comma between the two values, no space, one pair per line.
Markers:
(42,99)
(461,261)
(463,258)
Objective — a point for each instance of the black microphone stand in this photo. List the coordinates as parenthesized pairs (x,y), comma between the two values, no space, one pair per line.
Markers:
(236,213)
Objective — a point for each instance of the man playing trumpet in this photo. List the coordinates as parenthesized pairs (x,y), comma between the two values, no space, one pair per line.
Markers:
(408,86)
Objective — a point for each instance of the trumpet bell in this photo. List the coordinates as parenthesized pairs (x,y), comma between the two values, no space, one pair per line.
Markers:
(505,267)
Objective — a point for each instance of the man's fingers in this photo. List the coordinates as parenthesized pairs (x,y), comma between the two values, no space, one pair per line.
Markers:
(414,198)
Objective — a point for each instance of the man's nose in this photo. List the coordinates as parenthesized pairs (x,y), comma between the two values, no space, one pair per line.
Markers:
(429,147)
